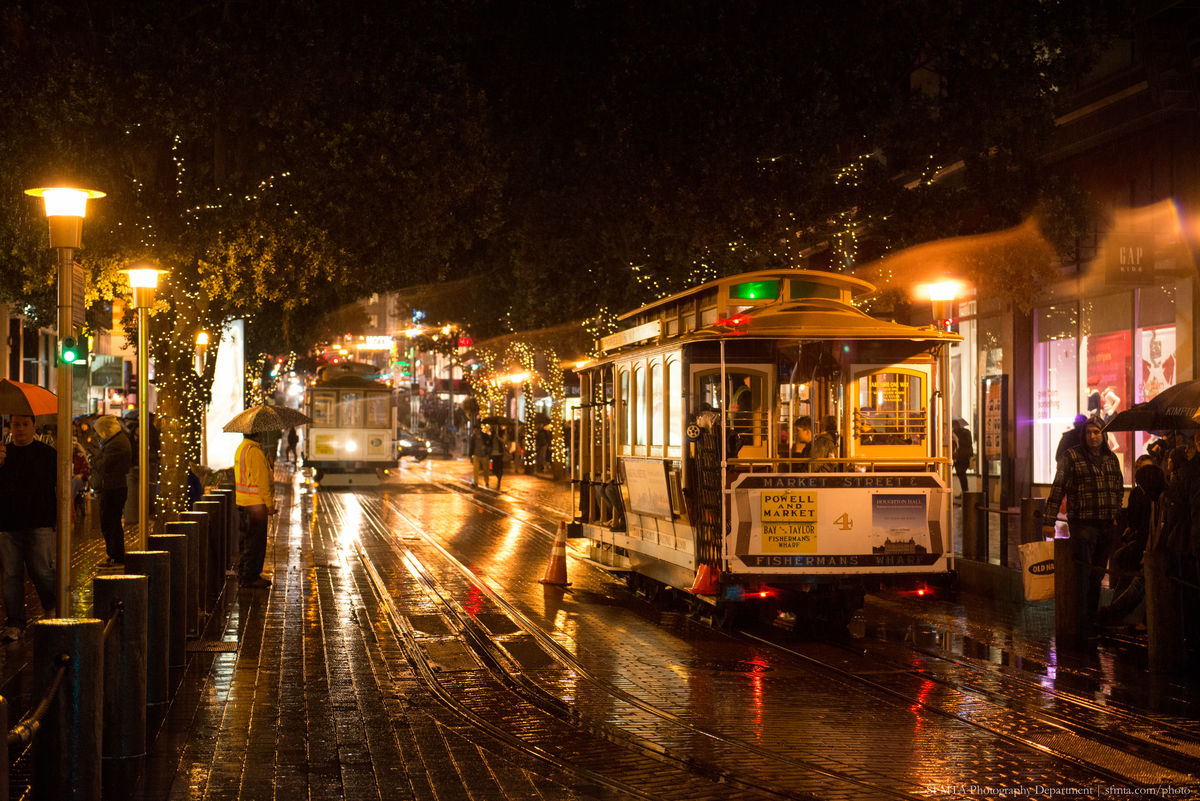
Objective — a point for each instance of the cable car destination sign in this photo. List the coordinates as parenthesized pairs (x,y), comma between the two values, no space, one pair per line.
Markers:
(816,521)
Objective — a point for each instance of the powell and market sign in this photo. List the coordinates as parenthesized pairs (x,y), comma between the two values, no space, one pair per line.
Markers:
(1129,259)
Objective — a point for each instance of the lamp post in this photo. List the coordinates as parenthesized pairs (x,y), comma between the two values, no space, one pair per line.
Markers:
(941,296)
(144,281)
(65,209)
(201,357)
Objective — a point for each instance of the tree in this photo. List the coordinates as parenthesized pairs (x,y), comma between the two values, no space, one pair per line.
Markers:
(652,145)
(264,154)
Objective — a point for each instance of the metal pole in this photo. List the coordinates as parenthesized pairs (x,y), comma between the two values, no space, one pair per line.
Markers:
(175,542)
(156,567)
(124,662)
(66,753)
(143,394)
(62,588)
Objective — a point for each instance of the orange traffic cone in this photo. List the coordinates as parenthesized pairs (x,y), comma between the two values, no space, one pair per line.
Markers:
(705,583)
(556,571)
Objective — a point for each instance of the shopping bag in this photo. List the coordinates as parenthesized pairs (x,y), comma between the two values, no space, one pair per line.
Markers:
(1037,570)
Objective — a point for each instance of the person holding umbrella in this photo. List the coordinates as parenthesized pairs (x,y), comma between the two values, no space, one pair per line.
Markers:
(255,485)
(255,488)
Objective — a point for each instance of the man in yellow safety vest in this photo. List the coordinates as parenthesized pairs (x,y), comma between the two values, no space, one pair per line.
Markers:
(256,502)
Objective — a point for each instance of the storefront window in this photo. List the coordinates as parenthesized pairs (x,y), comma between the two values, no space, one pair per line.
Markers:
(1108,332)
(991,365)
(1055,381)
(1154,343)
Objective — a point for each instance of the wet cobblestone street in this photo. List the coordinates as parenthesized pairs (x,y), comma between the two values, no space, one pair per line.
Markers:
(407,650)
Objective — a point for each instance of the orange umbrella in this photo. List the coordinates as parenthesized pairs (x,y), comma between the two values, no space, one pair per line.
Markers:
(19,398)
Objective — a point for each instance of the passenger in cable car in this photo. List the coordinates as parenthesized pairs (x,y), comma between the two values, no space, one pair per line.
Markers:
(820,446)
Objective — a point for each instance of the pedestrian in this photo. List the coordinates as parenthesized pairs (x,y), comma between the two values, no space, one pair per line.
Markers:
(28,516)
(820,446)
(293,439)
(1071,437)
(497,453)
(1091,478)
(964,449)
(478,448)
(81,471)
(113,463)
(255,489)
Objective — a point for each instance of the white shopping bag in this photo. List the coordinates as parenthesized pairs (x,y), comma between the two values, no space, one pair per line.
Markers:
(1037,570)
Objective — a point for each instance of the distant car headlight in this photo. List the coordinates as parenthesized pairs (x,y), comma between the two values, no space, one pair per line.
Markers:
(405,443)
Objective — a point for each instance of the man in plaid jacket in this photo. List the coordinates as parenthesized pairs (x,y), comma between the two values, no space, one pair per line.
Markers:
(1090,476)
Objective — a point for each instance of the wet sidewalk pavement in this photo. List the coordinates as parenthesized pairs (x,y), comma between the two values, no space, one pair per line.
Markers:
(308,691)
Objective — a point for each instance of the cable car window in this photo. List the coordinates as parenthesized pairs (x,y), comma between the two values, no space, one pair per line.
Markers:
(754,290)
(639,401)
(891,409)
(709,392)
(655,433)
(350,410)
(624,407)
(322,407)
(674,390)
(377,410)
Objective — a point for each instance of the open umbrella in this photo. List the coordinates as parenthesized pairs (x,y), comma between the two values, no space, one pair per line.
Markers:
(19,398)
(496,421)
(1173,408)
(266,418)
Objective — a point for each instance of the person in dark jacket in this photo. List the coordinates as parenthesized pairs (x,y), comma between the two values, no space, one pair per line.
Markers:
(963,450)
(113,463)
(28,516)
(1090,477)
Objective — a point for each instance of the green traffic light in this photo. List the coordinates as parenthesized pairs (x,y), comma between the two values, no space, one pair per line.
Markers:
(70,351)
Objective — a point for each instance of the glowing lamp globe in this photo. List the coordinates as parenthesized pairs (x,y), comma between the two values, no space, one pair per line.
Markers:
(65,209)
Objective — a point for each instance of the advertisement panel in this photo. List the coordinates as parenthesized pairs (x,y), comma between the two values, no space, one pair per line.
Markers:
(840,522)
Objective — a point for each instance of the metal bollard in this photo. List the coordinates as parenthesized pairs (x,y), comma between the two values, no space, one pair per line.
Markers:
(156,567)
(1164,612)
(177,546)
(1031,522)
(229,546)
(1070,595)
(191,577)
(66,752)
(974,531)
(197,565)
(216,534)
(124,663)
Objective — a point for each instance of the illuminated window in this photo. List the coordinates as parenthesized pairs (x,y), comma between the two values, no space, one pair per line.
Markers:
(755,290)
(639,400)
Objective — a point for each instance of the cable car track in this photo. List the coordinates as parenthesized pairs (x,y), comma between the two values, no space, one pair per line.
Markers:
(1176,748)
(499,665)
(1176,753)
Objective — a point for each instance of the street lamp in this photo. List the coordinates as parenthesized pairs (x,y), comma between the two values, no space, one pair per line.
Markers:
(144,280)
(65,209)
(201,362)
(941,295)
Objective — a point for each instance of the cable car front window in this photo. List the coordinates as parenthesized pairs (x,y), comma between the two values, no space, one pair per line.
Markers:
(891,409)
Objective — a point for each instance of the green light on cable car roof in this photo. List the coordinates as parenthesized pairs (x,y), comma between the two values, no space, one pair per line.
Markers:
(755,290)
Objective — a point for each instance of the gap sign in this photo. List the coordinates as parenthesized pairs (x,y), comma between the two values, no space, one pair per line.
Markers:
(1129,259)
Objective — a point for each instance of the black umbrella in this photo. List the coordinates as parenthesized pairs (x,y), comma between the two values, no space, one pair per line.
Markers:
(496,421)
(1173,408)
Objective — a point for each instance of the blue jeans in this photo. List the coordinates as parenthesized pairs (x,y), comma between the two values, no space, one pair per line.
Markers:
(31,548)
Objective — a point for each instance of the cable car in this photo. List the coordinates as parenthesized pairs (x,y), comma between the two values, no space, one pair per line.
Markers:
(691,457)
(350,438)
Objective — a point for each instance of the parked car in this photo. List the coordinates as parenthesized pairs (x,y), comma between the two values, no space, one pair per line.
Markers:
(409,444)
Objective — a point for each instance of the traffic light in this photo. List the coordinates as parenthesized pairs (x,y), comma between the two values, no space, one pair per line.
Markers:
(72,350)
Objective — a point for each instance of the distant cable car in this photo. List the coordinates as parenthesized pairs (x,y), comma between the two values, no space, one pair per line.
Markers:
(350,439)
